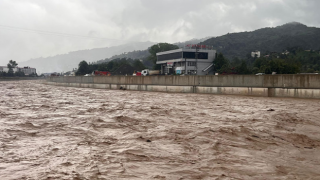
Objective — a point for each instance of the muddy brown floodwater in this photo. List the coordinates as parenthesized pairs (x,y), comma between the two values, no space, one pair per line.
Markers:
(50,132)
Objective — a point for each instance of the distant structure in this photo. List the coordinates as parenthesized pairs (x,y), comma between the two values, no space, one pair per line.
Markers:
(6,69)
(26,70)
(193,59)
(255,54)
(286,52)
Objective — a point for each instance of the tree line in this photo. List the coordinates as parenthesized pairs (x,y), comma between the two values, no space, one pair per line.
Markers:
(112,66)
(291,61)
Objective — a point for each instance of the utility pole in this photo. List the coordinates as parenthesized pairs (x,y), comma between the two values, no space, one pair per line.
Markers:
(196,54)
(185,66)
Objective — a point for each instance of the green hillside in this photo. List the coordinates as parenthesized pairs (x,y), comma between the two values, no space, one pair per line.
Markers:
(267,40)
(300,42)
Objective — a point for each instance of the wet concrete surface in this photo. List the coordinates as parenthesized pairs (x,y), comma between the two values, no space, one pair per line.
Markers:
(50,132)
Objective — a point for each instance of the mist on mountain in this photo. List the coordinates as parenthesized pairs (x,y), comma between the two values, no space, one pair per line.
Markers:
(233,45)
(66,62)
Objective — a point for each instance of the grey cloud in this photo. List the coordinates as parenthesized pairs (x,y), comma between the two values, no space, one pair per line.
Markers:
(136,20)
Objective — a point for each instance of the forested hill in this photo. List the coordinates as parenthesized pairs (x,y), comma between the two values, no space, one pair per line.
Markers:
(277,39)
(140,54)
(265,40)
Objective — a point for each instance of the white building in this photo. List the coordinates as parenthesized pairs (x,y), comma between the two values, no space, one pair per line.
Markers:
(3,68)
(6,69)
(286,52)
(25,70)
(187,60)
(255,53)
(28,70)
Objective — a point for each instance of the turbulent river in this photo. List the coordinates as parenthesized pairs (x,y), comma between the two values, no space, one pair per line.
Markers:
(50,132)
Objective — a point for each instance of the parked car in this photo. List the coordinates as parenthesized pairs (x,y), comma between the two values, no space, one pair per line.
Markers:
(260,73)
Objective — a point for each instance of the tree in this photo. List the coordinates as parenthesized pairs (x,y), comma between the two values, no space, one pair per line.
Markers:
(255,70)
(137,64)
(110,65)
(310,70)
(220,62)
(103,67)
(242,68)
(235,62)
(19,73)
(224,69)
(153,50)
(11,65)
(83,68)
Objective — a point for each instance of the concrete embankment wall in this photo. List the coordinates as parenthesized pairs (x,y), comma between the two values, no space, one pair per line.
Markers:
(300,86)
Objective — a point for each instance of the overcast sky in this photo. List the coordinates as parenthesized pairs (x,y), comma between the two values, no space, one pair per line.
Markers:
(41,28)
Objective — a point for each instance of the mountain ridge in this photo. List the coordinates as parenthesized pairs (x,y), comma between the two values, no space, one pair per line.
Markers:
(269,39)
(240,45)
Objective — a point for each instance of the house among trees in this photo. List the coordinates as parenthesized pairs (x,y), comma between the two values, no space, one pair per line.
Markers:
(255,54)
(286,52)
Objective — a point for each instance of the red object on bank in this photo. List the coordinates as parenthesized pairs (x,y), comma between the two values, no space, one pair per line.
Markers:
(102,73)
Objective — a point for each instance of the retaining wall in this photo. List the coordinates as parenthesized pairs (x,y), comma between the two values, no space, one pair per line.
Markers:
(275,81)
(299,86)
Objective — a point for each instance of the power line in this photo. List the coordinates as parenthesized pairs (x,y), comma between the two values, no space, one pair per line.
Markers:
(52,33)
